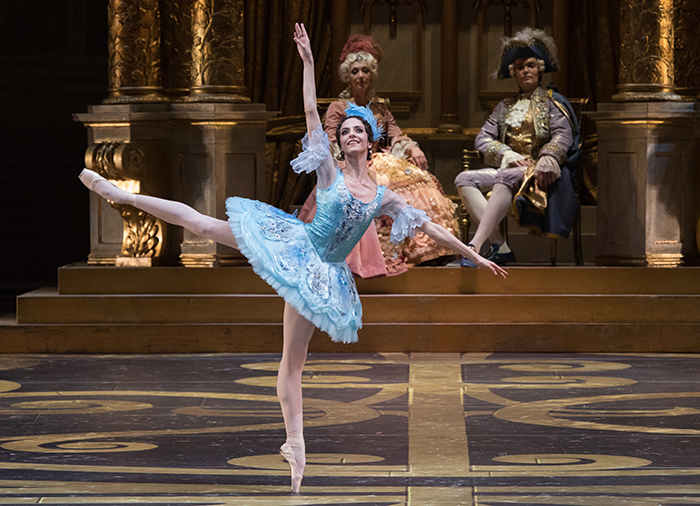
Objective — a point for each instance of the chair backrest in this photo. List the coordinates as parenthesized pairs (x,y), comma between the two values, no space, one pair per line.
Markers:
(579,105)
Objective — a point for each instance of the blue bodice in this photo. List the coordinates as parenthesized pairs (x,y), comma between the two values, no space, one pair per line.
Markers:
(340,220)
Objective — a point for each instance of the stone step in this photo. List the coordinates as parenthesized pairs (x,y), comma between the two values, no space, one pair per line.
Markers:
(373,337)
(81,279)
(46,306)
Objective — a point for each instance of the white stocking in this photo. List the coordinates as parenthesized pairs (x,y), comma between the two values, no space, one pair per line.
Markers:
(475,203)
(495,211)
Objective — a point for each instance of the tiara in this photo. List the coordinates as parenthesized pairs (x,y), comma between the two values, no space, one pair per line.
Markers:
(366,114)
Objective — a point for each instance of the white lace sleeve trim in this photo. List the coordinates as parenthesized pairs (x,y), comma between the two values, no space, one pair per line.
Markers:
(406,222)
(399,148)
(548,164)
(315,152)
(509,157)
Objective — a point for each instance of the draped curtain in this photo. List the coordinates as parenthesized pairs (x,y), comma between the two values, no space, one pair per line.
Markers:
(273,74)
(594,48)
(593,70)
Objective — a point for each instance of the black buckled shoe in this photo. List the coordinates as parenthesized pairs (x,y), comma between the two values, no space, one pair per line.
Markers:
(500,258)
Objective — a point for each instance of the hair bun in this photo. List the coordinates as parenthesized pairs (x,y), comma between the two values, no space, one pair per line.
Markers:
(360,42)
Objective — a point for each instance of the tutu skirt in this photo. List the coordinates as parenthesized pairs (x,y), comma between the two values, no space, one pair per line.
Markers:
(279,250)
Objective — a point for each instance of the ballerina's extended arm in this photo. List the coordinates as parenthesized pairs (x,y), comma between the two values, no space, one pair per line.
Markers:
(441,235)
(408,220)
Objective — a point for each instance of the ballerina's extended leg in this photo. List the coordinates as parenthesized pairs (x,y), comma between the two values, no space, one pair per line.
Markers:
(175,213)
(297,334)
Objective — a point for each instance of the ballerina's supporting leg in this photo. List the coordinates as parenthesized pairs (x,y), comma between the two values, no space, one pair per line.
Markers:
(297,334)
(170,211)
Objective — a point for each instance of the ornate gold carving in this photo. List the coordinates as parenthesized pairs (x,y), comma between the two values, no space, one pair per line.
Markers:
(143,234)
(115,160)
(646,51)
(176,47)
(686,31)
(217,72)
(134,52)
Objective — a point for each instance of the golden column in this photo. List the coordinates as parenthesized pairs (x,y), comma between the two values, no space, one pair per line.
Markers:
(217,67)
(646,51)
(686,30)
(134,52)
(176,47)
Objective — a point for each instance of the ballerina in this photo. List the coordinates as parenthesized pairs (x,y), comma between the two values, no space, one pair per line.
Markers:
(305,263)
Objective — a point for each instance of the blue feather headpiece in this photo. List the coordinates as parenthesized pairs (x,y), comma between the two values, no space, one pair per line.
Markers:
(366,114)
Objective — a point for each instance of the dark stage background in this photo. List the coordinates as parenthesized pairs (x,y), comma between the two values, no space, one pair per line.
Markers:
(53,62)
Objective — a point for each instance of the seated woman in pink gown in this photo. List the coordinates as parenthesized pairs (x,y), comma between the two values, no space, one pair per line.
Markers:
(397,163)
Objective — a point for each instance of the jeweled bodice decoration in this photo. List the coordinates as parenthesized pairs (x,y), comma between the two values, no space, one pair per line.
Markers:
(340,220)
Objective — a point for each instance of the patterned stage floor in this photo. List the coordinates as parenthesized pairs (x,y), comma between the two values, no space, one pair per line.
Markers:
(397,429)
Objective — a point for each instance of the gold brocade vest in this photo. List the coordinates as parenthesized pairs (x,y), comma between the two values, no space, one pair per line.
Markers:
(537,119)
(520,139)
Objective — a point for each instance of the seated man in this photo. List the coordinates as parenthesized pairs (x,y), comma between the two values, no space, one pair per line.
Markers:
(528,136)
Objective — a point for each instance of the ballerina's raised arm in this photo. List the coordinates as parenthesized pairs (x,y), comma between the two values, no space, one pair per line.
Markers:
(313,120)
(315,139)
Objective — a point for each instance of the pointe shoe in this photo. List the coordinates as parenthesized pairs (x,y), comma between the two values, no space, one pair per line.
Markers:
(294,452)
(106,190)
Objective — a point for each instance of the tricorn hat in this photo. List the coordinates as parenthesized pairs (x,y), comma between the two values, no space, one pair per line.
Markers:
(526,44)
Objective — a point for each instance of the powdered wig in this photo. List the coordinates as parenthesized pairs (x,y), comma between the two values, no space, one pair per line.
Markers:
(361,57)
(540,69)
(360,48)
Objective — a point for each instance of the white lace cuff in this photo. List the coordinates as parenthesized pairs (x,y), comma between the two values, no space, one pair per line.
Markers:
(314,152)
(548,164)
(509,157)
(399,148)
(406,222)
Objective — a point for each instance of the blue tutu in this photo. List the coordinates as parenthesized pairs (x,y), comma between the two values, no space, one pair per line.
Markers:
(286,253)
